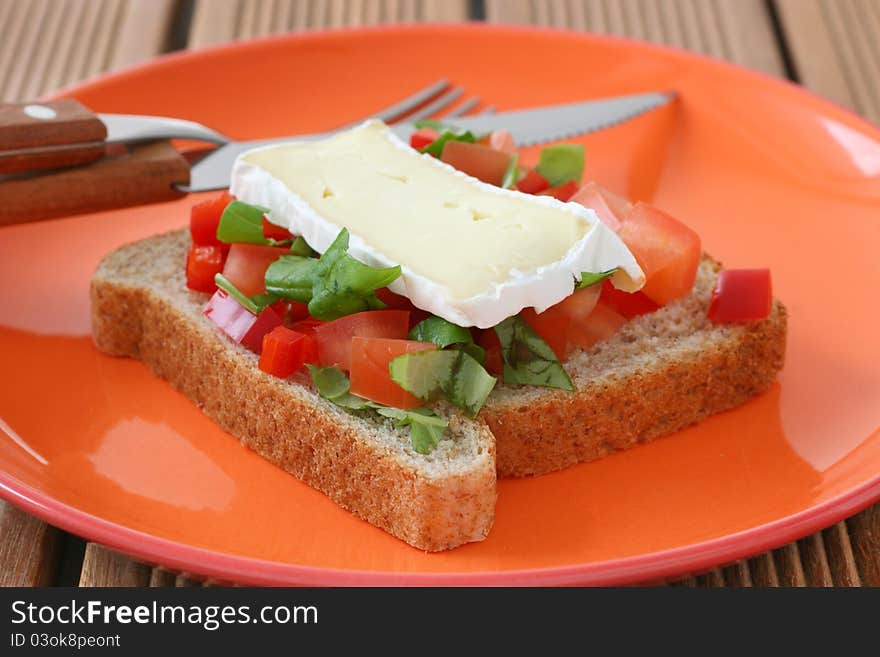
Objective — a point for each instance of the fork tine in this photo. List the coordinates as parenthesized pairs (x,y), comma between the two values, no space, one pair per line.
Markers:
(407,104)
(432,108)
(464,108)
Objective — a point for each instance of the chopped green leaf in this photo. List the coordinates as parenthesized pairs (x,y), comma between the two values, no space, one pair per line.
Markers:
(226,285)
(561,163)
(441,332)
(436,147)
(527,358)
(301,248)
(292,277)
(242,223)
(264,299)
(475,351)
(331,382)
(342,285)
(455,375)
(590,278)
(511,176)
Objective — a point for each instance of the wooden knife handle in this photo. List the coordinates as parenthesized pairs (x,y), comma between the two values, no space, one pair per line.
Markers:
(48,135)
(142,174)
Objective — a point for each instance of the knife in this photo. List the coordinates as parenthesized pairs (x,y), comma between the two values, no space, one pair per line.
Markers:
(111,163)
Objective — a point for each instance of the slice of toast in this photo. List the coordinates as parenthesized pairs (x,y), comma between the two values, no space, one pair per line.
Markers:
(142,308)
(659,373)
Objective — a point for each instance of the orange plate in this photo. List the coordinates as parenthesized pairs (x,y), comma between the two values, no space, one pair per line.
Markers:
(767,174)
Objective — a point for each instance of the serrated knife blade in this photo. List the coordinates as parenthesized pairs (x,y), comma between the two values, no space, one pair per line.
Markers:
(528,127)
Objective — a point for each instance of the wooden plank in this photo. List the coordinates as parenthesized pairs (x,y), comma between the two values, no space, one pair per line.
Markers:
(763,570)
(736,30)
(841,560)
(104,567)
(864,534)
(144,30)
(219,21)
(28,549)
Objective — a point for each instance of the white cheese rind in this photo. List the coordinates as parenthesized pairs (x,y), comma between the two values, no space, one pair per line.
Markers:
(600,249)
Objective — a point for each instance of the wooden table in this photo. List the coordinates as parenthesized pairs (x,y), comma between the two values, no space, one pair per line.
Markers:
(830,46)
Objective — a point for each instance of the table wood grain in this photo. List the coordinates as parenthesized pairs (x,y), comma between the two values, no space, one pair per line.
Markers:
(831,47)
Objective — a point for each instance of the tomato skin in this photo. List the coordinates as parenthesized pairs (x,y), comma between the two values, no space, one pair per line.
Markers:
(628,304)
(307,325)
(602,323)
(557,324)
(239,323)
(562,192)
(532,182)
(476,160)
(741,295)
(273,232)
(502,140)
(298,311)
(205,217)
(246,266)
(285,351)
(370,378)
(667,251)
(202,264)
(393,300)
(492,346)
(335,338)
(608,206)
(423,137)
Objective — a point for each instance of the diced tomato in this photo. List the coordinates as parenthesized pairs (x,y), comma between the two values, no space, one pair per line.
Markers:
(532,182)
(601,324)
(273,232)
(741,295)
(608,206)
(334,338)
(205,217)
(246,266)
(202,264)
(628,304)
(281,307)
(285,351)
(238,322)
(370,377)
(556,324)
(502,140)
(393,300)
(492,346)
(298,311)
(667,250)
(307,325)
(476,160)
(422,137)
(562,192)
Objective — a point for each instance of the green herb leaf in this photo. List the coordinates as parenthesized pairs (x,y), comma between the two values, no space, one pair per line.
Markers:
(292,277)
(527,358)
(453,375)
(226,285)
(436,147)
(441,332)
(511,176)
(475,351)
(342,285)
(242,223)
(590,278)
(561,163)
(301,248)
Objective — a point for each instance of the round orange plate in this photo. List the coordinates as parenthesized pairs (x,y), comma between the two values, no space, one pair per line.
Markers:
(767,174)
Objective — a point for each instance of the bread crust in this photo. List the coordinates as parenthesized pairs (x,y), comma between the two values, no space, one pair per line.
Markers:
(308,440)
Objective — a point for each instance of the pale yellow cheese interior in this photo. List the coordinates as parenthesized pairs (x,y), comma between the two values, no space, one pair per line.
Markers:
(441,225)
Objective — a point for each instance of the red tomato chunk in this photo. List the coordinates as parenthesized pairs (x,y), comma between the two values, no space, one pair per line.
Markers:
(273,232)
(476,160)
(628,304)
(370,378)
(239,323)
(422,137)
(609,207)
(562,192)
(741,295)
(335,338)
(202,264)
(285,351)
(205,217)
(532,182)
(246,266)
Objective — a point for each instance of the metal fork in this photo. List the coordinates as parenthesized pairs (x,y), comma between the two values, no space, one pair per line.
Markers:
(427,102)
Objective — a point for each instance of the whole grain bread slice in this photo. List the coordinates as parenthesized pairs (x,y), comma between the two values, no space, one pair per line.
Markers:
(659,373)
(141,308)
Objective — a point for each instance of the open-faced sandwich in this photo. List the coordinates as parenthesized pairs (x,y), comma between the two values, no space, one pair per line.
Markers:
(397,325)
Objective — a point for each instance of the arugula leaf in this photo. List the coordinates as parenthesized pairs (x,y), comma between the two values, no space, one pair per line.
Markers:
(527,358)
(511,176)
(561,163)
(590,278)
(301,248)
(292,277)
(455,375)
(440,331)
(475,351)
(243,223)
(426,428)
(436,147)
(342,285)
